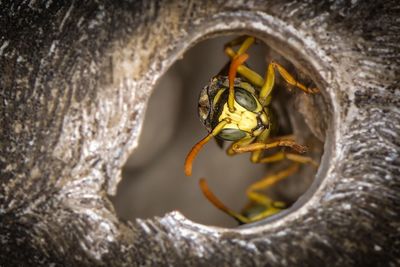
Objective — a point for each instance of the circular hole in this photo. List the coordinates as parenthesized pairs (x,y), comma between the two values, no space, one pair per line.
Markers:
(153,178)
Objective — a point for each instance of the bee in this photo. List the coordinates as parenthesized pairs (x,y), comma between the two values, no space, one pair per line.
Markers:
(236,107)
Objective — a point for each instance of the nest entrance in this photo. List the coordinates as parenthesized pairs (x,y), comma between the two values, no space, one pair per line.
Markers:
(153,178)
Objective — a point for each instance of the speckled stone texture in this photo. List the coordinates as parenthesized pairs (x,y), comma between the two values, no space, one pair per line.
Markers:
(74,81)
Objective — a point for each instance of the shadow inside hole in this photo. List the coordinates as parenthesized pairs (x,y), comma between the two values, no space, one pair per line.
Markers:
(153,179)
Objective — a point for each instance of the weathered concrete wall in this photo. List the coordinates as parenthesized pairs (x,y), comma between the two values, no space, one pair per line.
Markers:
(74,83)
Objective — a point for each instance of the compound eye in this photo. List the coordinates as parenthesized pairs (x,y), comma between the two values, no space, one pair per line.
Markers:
(245,99)
(231,134)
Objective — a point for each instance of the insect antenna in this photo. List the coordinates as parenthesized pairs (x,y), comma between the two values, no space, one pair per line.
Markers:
(199,145)
(218,204)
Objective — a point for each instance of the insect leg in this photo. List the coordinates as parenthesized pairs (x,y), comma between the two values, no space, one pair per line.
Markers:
(301,159)
(244,41)
(290,156)
(243,70)
(237,41)
(292,81)
(271,207)
(246,45)
(270,81)
(241,142)
(262,138)
(272,179)
(266,89)
(264,146)
(273,158)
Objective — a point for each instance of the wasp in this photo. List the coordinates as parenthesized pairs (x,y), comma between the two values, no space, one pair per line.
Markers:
(236,107)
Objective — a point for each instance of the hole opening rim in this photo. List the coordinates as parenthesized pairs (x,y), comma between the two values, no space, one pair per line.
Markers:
(271,35)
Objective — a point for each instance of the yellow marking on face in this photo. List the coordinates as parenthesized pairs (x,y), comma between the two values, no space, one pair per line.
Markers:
(241,118)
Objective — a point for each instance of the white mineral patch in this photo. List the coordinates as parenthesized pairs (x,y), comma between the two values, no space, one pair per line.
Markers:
(3,46)
(17,127)
(53,47)
(49,3)
(346,206)
(65,17)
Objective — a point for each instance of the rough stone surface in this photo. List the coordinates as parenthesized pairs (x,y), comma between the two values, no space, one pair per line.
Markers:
(74,83)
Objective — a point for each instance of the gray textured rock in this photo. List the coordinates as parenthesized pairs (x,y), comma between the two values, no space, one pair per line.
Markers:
(74,83)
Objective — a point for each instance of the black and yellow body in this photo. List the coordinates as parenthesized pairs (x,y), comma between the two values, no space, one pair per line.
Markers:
(249,118)
(235,107)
